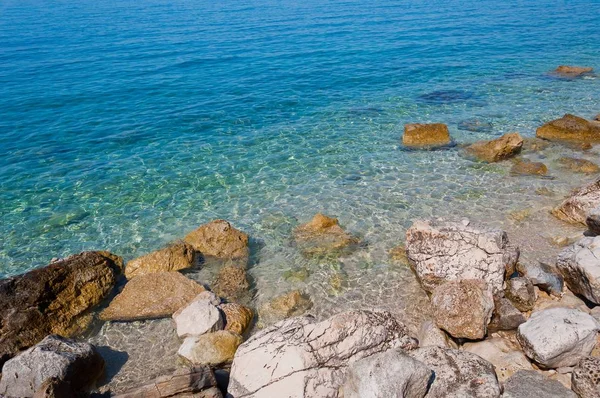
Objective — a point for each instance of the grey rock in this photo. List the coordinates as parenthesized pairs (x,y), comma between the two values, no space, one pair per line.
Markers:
(543,276)
(529,383)
(593,221)
(521,293)
(387,374)
(430,335)
(579,264)
(505,316)
(558,337)
(585,379)
(199,317)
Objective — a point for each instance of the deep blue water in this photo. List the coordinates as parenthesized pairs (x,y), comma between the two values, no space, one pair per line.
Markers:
(125,124)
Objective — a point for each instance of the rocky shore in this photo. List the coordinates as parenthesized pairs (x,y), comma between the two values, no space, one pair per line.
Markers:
(501,324)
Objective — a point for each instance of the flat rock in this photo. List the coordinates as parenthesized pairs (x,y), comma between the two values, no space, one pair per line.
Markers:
(463,308)
(529,383)
(232,283)
(219,239)
(496,150)
(570,128)
(506,359)
(175,257)
(585,379)
(424,135)
(572,71)
(54,299)
(300,357)
(152,296)
(441,251)
(198,317)
(521,293)
(211,348)
(576,207)
(593,221)
(505,316)
(579,264)
(388,374)
(458,374)
(558,337)
(54,360)
(285,306)
(323,235)
(543,276)
(578,165)
(430,335)
(526,167)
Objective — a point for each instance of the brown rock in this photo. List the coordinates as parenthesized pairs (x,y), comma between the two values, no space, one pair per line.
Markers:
(499,149)
(521,293)
(231,283)
(572,71)
(576,207)
(535,144)
(210,348)
(579,165)
(529,168)
(221,240)
(152,296)
(291,304)
(570,128)
(323,235)
(53,299)
(506,316)
(237,317)
(422,135)
(174,257)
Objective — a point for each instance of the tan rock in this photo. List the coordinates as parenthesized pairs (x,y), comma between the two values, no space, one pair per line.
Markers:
(579,165)
(529,168)
(496,150)
(323,235)
(231,283)
(291,304)
(174,257)
(506,359)
(570,128)
(152,296)
(237,317)
(420,135)
(534,144)
(211,348)
(576,207)
(219,239)
(572,71)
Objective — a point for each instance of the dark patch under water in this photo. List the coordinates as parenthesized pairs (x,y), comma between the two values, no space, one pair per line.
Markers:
(476,125)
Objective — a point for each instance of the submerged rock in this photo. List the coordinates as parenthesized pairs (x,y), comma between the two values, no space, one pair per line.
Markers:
(300,357)
(232,283)
(219,239)
(579,165)
(323,235)
(198,317)
(526,167)
(579,264)
(496,150)
(506,359)
(476,125)
(529,383)
(542,276)
(285,306)
(53,299)
(576,207)
(570,128)
(424,135)
(505,316)
(521,293)
(573,71)
(211,348)
(535,144)
(440,97)
(237,317)
(441,251)
(175,257)
(585,378)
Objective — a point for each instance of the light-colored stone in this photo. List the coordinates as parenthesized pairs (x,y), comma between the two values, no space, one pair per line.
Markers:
(430,335)
(211,348)
(585,379)
(285,306)
(424,135)
(198,317)
(496,150)
(441,251)
(529,383)
(566,300)
(503,356)
(579,265)
(582,201)
(237,317)
(174,257)
(570,128)
(221,240)
(558,337)
(323,235)
(521,293)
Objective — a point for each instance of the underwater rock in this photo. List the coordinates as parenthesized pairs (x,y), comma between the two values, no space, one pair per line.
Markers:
(576,207)
(578,165)
(232,283)
(424,135)
(475,125)
(211,348)
(526,167)
(285,306)
(323,236)
(174,257)
(572,71)
(219,239)
(441,97)
(496,150)
(570,128)
(237,317)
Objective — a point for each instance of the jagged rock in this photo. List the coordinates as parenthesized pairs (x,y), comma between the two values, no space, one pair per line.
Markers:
(423,135)
(476,125)
(151,296)
(387,374)
(232,283)
(210,348)
(570,128)
(196,381)
(585,378)
(174,257)
(572,71)
(529,383)
(579,264)
(579,165)
(521,293)
(505,316)
(576,207)
(430,335)
(323,235)
(506,359)
(463,308)
(458,374)
(593,221)
(526,167)
(300,357)
(237,317)
(56,360)
(219,239)
(496,150)
(558,337)
(285,306)
(542,276)
(443,251)
(198,317)
(54,299)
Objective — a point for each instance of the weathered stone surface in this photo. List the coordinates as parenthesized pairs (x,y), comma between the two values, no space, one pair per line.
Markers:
(210,348)
(572,71)
(506,359)
(53,299)
(323,235)
(175,257)
(56,360)
(526,167)
(237,317)
(458,374)
(198,317)
(521,293)
(423,135)
(232,283)
(576,207)
(388,374)
(285,306)
(579,165)
(150,296)
(579,264)
(430,335)
(558,337)
(196,381)
(442,251)
(300,357)
(566,300)
(593,221)
(570,128)
(505,316)
(585,379)
(529,383)
(496,150)
(543,276)
(463,308)
(221,240)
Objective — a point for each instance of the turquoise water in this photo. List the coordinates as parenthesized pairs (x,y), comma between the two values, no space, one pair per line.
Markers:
(125,124)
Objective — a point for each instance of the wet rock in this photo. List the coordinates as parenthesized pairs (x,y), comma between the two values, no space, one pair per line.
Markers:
(558,337)
(570,128)
(526,167)
(285,306)
(572,71)
(211,348)
(55,359)
(387,374)
(534,144)
(585,378)
(198,317)
(463,308)
(425,135)
(175,257)
(579,165)
(232,283)
(576,207)
(529,383)
(196,381)
(458,374)
(543,276)
(237,317)
(506,359)
(430,335)
(323,235)
(579,265)
(521,293)
(151,296)
(496,150)
(505,316)
(300,357)
(219,239)
(593,221)
(441,251)
(53,299)
(476,125)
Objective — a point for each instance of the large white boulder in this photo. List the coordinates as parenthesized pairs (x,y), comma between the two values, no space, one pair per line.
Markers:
(199,317)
